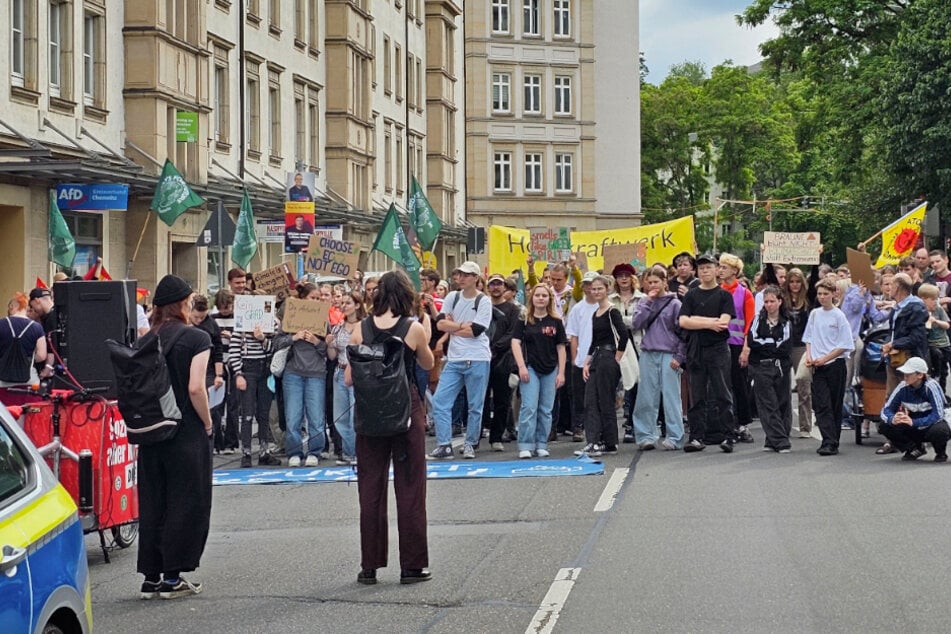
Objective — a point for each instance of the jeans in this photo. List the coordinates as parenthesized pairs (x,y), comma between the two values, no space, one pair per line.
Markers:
(658,379)
(304,395)
(534,416)
(343,414)
(474,376)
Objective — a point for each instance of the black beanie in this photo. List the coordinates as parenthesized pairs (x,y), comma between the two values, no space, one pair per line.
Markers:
(171,289)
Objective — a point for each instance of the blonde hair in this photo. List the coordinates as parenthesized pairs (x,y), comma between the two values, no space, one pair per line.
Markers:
(731,260)
(550,308)
(928,291)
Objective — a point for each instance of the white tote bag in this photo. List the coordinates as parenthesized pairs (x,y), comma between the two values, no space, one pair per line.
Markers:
(630,368)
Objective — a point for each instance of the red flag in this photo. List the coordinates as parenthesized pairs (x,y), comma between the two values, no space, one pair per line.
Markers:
(97,272)
(40,283)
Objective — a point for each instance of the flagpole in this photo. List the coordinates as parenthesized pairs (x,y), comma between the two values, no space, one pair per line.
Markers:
(128,272)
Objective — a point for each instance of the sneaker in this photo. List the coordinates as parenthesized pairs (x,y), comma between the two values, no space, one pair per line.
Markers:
(246,461)
(150,590)
(743,434)
(612,449)
(441,452)
(767,449)
(181,588)
(693,446)
(668,445)
(346,461)
(542,453)
(294,462)
(598,449)
(941,457)
(228,451)
(805,434)
(367,577)
(726,446)
(324,455)
(628,437)
(786,450)
(267,460)
(584,450)
(497,446)
(468,452)
(914,454)
(646,446)
(485,433)
(827,450)
(577,436)
(524,454)
(311,461)
(846,425)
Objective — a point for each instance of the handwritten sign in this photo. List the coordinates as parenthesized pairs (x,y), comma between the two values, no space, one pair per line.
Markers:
(305,314)
(274,281)
(791,248)
(633,254)
(326,256)
(550,244)
(251,311)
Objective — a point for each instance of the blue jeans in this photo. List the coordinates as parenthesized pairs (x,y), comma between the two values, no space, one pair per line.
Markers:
(534,415)
(474,375)
(657,377)
(304,395)
(343,414)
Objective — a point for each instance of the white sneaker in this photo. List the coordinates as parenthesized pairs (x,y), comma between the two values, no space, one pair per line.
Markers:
(542,453)
(294,461)
(312,461)
(525,454)
(468,452)
(497,446)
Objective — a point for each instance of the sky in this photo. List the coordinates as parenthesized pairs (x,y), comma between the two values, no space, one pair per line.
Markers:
(674,31)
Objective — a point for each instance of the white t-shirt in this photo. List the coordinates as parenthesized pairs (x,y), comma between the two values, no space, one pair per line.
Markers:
(827,330)
(580,324)
(468,348)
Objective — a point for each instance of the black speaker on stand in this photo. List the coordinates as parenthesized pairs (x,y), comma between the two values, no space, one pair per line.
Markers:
(88,313)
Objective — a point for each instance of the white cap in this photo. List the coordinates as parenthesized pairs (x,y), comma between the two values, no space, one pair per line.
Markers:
(914,364)
(469,267)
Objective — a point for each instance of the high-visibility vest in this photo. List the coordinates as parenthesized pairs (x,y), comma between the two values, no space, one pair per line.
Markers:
(737,328)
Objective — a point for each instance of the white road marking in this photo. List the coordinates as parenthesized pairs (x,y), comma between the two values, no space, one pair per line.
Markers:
(611,489)
(547,614)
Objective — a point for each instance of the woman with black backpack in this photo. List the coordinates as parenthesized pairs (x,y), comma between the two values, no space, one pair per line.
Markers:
(391,317)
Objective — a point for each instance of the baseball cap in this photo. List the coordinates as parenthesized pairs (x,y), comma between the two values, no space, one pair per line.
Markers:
(707,258)
(589,277)
(38,292)
(494,277)
(468,267)
(914,364)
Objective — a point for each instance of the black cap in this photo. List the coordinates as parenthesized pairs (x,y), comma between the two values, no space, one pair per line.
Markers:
(39,292)
(171,289)
(707,258)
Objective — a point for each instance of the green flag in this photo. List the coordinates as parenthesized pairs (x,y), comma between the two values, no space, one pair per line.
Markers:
(61,248)
(173,195)
(422,217)
(392,241)
(245,243)
(520,289)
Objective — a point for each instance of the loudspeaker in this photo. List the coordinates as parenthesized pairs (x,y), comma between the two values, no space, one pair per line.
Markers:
(88,313)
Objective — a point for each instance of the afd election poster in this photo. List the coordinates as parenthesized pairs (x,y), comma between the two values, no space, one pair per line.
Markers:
(508,247)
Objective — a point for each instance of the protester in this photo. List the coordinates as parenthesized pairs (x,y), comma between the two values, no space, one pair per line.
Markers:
(198,316)
(22,351)
(685,265)
(769,342)
(939,346)
(730,268)
(337,342)
(661,361)
(909,336)
(498,396)
(406,452)
(370,285)
(941,276)
(828,340)
(625,299)
(41,305)
(538,346)
(578,328)
(226,438)
(174,476)
(237,281)
(914,414)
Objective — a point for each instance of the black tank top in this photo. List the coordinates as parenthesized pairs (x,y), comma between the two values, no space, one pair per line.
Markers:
(399,329)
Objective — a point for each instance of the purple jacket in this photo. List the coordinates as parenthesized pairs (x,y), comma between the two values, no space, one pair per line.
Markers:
(661,336)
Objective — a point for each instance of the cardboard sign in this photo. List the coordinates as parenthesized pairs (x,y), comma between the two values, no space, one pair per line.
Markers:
(550,244)
(326,256)
(791,248)
(581,260)
(633,254)
(275,281)
(860,267)
(251,311)
(305,314)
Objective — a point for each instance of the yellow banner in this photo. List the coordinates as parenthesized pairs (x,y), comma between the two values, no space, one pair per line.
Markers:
(508,247)
(900,237)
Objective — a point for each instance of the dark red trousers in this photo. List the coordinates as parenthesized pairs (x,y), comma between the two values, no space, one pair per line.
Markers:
(408,455)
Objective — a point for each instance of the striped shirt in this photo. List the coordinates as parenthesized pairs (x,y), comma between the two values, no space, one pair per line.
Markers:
(243,346)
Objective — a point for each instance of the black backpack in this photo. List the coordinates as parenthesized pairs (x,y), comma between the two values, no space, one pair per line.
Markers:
(146,399)
(380,385)
(14,365)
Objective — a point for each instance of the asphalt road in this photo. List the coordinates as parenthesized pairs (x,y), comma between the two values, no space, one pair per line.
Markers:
(709,542)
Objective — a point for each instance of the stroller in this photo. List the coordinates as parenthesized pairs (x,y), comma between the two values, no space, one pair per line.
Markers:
(868,394)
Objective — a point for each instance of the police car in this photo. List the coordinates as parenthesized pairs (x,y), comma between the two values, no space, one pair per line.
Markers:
(44,578)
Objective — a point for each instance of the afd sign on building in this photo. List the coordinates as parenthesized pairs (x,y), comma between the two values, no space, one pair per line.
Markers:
(96,197)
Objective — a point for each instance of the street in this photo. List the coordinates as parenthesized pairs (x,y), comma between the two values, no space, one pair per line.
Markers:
(709,542)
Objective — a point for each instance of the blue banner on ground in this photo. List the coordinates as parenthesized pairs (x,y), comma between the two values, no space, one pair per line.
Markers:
(95,197)
(435,471)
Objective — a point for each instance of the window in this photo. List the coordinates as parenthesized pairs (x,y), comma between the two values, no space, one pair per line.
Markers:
(387,66)
(500,16)
(94,60)
(14,472)
(313,24)
(300,22)
(313,125)
(274,16)
(562,95)
(18,54)
(501,84)
(530,24)
(410,81)
(398,59)
(533,173)
(419,83)
(503,171)
(563,176)
(399,161)
(253,124)
(300,124)
(274,112)
(86,229)
(533,94)
(57,15)
(388,157)
(360,89)
(562,18)
(222,96)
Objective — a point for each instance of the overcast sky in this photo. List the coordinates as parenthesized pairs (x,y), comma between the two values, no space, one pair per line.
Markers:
(674,31)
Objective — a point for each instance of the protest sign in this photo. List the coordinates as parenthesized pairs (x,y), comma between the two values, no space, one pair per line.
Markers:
(791,248)
(326,256)
(633,254)
(551,244)
(581,260)
(860,267)
(274,281)
(305,314)
(251,311)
